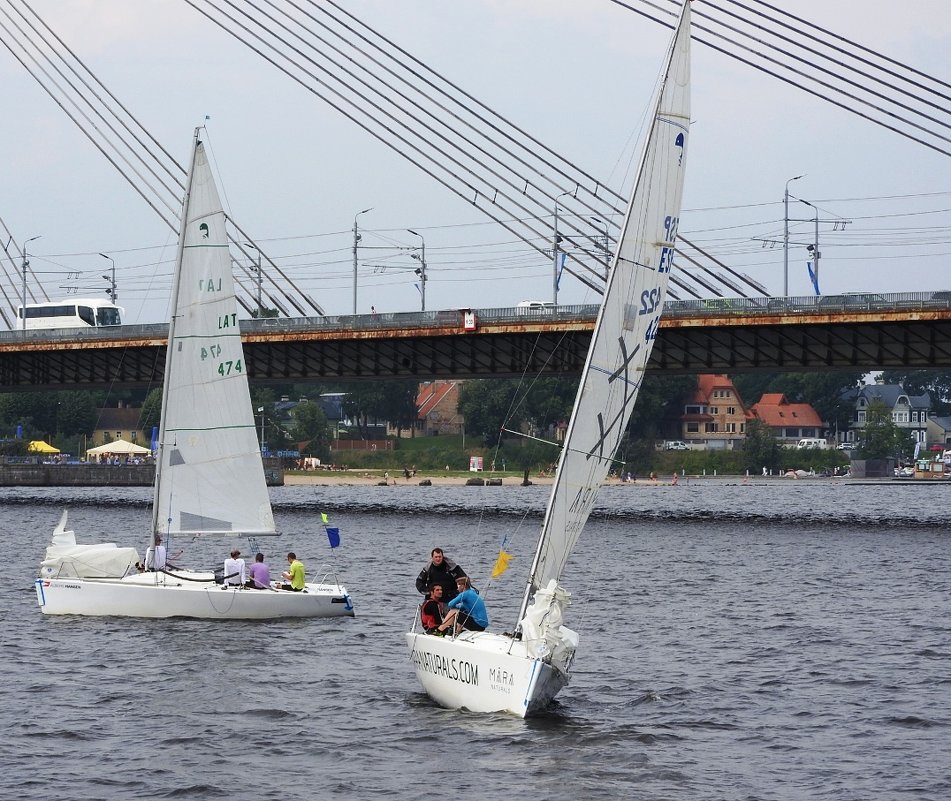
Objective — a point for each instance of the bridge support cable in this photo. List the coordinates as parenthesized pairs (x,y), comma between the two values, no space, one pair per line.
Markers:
(765,47)
(142,161)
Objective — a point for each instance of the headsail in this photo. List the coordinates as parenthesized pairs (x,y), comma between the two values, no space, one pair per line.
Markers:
(209,478)
(628,320)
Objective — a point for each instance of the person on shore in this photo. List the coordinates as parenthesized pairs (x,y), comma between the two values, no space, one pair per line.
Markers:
(433,611)
(442,571)
(467,610)
(259,574)
(294,575)
(234,575)
(156,556)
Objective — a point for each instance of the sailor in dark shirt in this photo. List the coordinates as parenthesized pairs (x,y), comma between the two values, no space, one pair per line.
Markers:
(442,571)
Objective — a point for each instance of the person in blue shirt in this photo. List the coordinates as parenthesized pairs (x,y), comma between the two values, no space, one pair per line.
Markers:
(467,610)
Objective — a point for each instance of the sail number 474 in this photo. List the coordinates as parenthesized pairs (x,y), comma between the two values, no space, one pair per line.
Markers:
(225,367)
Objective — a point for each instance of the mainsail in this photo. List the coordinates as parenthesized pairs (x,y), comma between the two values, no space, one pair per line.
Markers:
(627,323)
(210,478)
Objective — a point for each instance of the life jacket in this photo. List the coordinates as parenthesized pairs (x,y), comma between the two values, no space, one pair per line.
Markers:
(429,620)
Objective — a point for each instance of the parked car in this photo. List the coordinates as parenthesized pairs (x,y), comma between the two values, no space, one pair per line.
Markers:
(676,445)
(847,446)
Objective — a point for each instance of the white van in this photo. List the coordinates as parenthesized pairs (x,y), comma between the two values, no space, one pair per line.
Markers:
(813,442)
(535,307)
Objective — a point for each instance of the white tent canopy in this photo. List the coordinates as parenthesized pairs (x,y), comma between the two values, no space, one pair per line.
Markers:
(118,447)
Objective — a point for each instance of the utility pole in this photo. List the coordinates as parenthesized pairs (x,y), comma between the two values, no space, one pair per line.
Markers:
(786,237)
(356,239)
(26,264)
(258,278)
(421,272)
(555,250)
(111,292)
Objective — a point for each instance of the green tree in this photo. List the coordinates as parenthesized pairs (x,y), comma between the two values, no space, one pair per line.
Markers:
(661,399)
(549,401)
(398,404)
(76,414)
(487,405)
(761,448)
(310,425)
(882,439)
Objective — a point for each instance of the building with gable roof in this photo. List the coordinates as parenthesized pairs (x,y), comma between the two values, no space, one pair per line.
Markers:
(789,422)
(714,416)
(437,410)
(909,412)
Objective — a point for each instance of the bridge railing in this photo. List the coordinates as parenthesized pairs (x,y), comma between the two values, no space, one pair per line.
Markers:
(808,304)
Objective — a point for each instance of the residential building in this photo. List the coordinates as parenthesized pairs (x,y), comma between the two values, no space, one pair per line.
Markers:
(122,422)
(908,412)
(437,405)
(714,416)
(789,422)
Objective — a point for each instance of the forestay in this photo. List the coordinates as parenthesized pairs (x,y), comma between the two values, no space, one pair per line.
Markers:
(210,478)
(627,324)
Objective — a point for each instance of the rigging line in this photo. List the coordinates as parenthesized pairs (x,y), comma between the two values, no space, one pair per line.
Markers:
(392,46)
(112,97)
(96,144)
(861,47)
(829,72)
(475,193)
(806,89)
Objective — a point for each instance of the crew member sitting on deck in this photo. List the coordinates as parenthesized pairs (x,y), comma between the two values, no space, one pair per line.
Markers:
(467,610)
(433,611)
(155,557)
(294,574)
(234,570)
(259,574)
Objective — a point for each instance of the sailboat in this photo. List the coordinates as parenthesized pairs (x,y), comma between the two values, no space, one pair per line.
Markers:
(209,474)
(522,672)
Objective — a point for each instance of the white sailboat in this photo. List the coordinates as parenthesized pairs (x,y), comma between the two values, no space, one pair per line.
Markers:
(488,672)
(209,475)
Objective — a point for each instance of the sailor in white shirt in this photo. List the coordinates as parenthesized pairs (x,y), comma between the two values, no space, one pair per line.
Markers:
(234,570)
(155,557)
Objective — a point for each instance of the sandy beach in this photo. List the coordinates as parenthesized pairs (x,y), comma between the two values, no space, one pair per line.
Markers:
(372,478)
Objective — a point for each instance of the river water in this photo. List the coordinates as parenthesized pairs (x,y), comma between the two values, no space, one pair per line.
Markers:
(771,640)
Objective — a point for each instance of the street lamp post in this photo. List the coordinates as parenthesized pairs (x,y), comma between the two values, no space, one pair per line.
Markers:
(26,264)
(356,239)
(258,277)
(814,247)
(786,236)
(111,292)
(421,272)
(555,250)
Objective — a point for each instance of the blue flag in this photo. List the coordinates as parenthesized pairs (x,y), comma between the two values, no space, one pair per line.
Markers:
(333,534)
(813,277)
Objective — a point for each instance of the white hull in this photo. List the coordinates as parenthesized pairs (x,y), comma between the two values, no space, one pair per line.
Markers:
(158,595)
(484,672)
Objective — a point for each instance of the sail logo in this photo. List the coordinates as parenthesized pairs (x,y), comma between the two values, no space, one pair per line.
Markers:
(455,669)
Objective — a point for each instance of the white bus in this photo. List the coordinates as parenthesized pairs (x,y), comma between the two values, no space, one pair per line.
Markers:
(73,313)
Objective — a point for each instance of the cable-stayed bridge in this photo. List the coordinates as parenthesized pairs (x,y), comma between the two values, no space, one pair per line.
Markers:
(728,335)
